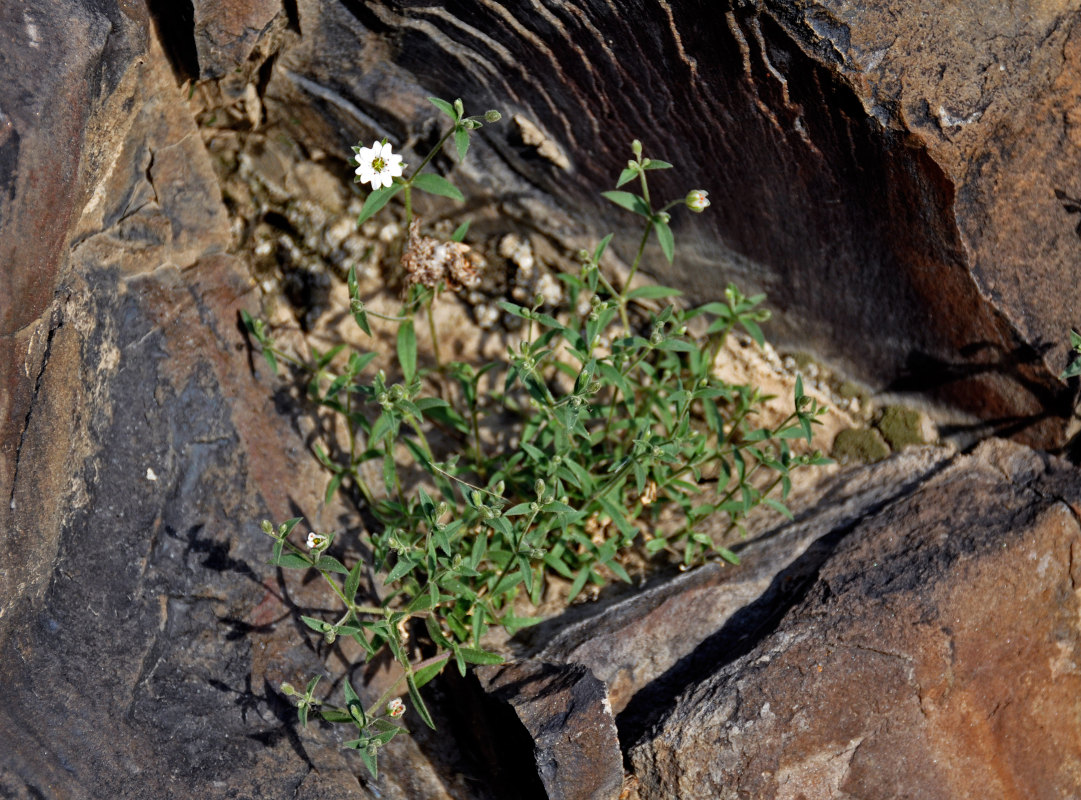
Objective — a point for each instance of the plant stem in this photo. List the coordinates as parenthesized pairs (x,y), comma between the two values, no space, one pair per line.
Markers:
(431,331)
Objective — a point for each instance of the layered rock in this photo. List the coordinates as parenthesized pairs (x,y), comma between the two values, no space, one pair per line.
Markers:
(886,176)
(935,654)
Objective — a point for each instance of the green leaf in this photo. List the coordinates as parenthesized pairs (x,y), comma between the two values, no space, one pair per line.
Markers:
(461,142)
(317,625)
(652,292)
(667,240)
(474,656)
(331,564)
(601,247)
(754,331)
(332,487)
(631,202)
(352,583)
(293,561)
(428,673)
(418,701)
(445,107)
(436,184)
(579,582)
(361,318)
(513,624)
(376,200)
(656,163)
(460,231)
(366,755)
(626,176)
(407,349)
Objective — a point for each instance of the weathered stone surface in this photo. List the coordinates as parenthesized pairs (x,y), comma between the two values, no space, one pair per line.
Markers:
(886,176)
(650,646)
(227,34)
(936,655)
(69,71)
(570,736)
(142,639)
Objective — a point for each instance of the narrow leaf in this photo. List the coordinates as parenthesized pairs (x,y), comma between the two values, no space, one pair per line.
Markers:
(407,349)
(376,200)
(666,239)
(436,184)
(631,202)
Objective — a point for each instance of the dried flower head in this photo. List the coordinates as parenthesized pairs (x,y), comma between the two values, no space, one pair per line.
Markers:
(428,261)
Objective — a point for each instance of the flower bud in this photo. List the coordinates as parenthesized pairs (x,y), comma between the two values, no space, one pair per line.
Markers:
(356,305)
(288,689)
(470,124)
(459,109)
(636,148)
(697,200)
(267,528)
(538,486)
(492,116)
(664,217)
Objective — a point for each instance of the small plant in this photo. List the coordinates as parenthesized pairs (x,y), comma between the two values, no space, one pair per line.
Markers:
(1074,367)
(618,417)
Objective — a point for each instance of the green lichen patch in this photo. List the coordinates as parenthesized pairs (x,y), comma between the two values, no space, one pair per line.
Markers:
(901,426)
(859,445)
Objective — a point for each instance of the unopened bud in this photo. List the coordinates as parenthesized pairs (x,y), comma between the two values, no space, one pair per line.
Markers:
(458,107)
(288,689)
(470,124)
(492,116)
(636,148)
(697,200)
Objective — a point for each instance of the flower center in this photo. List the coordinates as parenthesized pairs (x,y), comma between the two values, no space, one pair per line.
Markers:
(378,164)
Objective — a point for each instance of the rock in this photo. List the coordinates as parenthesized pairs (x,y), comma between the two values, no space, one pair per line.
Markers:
(58,131)
(936,654)
(546,731)
(142,638)
(870,169)
(648,647)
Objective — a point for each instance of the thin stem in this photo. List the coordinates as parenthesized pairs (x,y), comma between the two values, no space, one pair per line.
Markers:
(431,155)
(431,331)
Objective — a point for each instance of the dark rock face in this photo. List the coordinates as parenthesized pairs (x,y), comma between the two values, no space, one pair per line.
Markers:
(887,178)
(935,655)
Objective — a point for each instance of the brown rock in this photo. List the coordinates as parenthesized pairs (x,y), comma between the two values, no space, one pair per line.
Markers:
(936,655)
(886,176)
(648,647)
(570,737)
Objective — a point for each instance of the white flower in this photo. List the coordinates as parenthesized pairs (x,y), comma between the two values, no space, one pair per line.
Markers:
(697,200)
(396,707)
(378,165)
(317,541)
